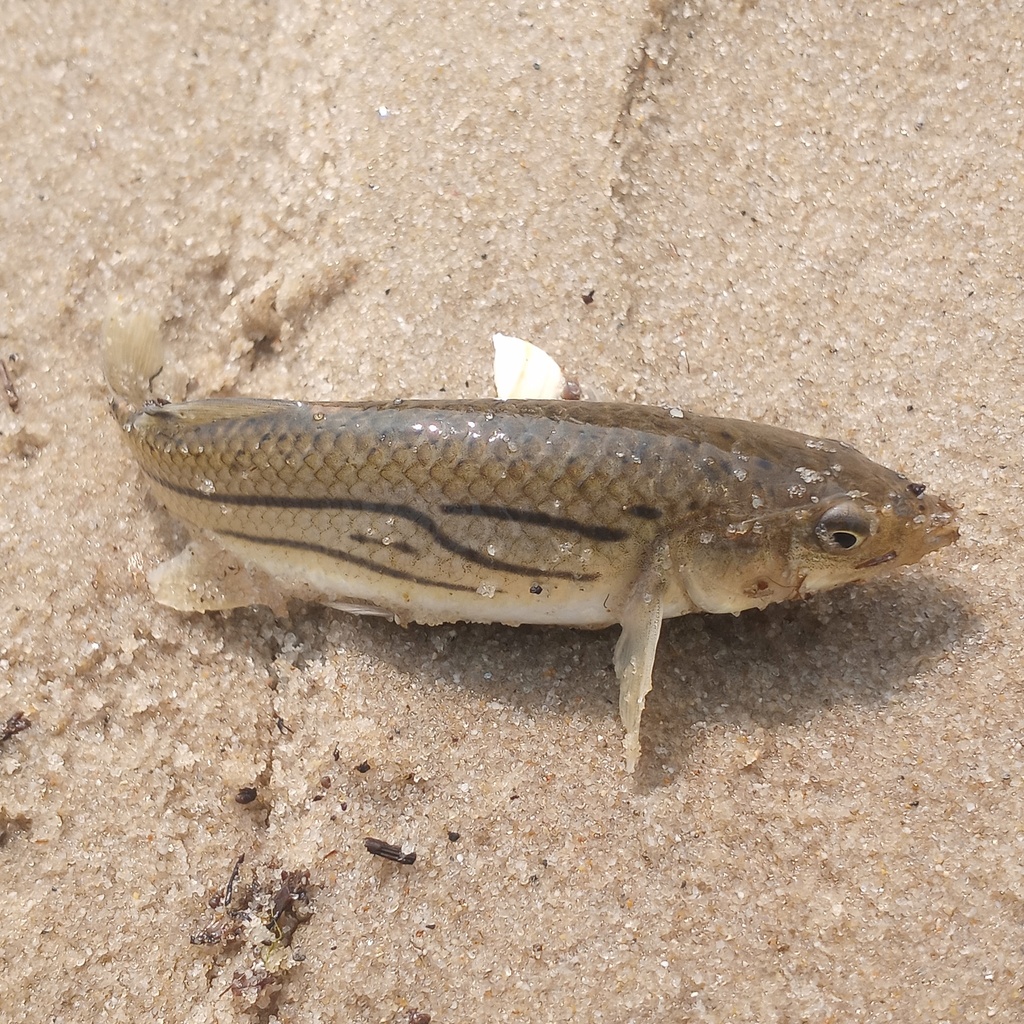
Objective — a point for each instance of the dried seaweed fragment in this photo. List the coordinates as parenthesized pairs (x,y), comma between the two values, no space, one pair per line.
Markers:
(255,922)
(388,851)
(18,722)
(7,383)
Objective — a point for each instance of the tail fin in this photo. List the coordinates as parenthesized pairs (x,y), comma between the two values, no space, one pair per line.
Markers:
(132,357)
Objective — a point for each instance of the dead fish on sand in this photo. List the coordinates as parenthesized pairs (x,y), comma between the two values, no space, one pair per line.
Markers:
(527,510)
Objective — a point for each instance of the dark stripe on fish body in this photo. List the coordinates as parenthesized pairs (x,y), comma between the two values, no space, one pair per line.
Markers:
(344,556)
(518,515)
(644,512)
(417,518)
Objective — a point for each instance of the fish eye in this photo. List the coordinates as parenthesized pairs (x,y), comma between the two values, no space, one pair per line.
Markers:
(843,527)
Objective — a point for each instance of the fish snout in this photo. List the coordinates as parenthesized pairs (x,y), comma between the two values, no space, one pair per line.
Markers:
(929,524)
(943,530)
(940,525)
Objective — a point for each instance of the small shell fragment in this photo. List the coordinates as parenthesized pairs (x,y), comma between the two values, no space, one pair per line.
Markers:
(522,370)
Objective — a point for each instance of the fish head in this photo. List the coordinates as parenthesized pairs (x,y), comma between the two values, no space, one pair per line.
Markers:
(856,536)
(814,527)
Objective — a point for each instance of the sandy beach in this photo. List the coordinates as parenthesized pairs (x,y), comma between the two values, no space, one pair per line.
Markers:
(808,216)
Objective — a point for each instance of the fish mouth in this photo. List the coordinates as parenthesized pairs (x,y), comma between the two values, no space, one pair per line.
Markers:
(937,520)
(942,528)
(942,536)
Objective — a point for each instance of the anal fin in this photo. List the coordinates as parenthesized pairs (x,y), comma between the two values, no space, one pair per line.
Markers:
(205,577)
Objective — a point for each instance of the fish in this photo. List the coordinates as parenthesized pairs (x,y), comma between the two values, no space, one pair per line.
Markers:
(584,514)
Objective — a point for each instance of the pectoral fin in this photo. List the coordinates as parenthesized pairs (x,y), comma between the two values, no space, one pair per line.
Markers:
(634,654)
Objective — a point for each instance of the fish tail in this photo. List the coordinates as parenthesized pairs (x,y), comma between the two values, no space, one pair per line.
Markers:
(132,357)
